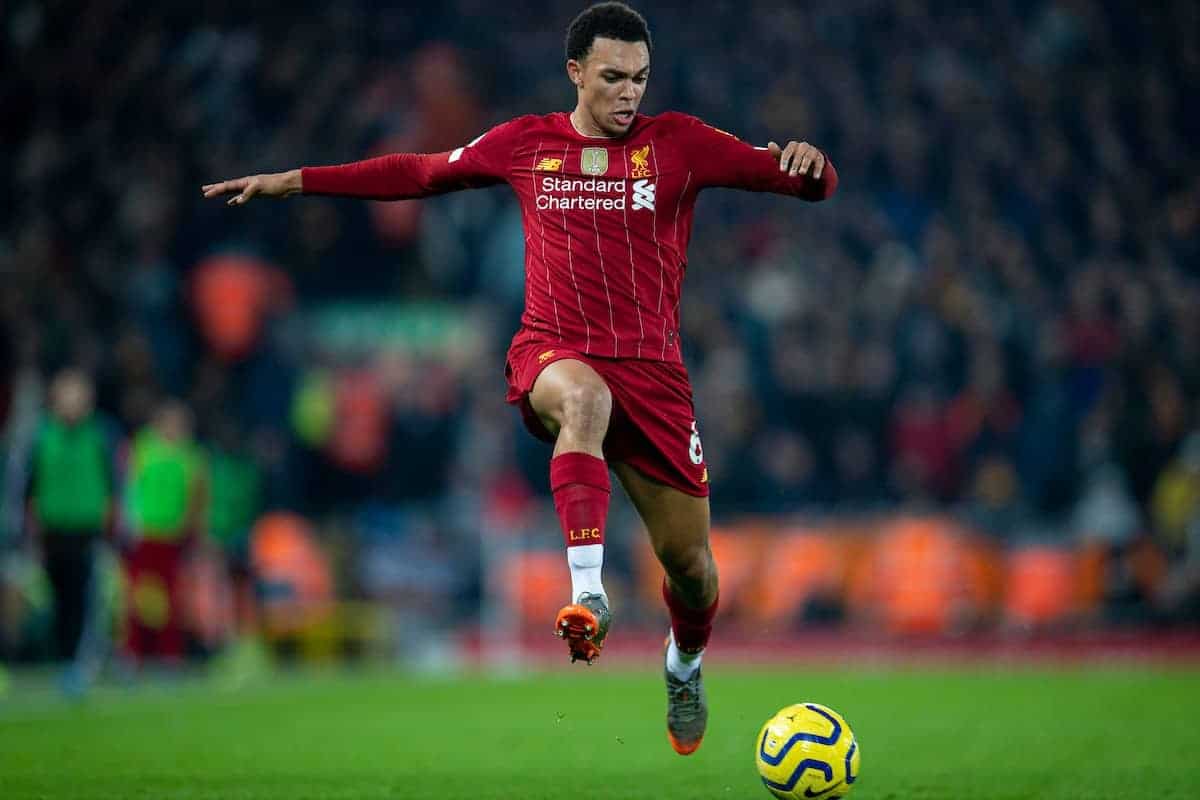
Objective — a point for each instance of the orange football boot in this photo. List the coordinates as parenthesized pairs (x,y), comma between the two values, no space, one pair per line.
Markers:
(584,624)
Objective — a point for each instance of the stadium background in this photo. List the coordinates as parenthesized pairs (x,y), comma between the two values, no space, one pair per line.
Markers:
(958,400)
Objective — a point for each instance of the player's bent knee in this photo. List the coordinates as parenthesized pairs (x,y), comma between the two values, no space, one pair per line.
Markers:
(691,564)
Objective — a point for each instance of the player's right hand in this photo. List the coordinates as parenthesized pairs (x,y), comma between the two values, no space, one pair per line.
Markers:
(275,184)
(797,158)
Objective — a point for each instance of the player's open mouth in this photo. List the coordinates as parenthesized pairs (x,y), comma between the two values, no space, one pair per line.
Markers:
(623,117)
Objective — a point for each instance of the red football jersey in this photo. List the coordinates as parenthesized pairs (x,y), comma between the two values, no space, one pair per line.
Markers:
(607,221)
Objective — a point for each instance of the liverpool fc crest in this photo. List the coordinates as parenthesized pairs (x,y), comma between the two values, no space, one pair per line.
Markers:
(641,162)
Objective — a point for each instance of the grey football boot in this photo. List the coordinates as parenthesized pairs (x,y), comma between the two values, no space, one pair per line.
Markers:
(687,709)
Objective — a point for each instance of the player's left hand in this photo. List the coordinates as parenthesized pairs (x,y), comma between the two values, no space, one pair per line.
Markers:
(798,158)
(275,184)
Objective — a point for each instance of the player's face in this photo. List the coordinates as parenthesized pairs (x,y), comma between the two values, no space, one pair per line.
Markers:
(611,81)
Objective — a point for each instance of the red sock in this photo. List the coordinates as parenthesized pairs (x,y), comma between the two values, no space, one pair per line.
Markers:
(581,489)
(691,626)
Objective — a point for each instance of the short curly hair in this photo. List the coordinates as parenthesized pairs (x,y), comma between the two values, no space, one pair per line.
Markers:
(610,20)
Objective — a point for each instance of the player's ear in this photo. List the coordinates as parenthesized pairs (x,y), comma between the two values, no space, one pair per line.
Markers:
(575,72)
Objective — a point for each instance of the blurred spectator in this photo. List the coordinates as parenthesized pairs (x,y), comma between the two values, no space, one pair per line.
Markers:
(1176,506)
(235,492)
(295,586)
(71,500)
(1176,511)
(924,466)
(166,503)
(232,295)
(235,502)
(994,503)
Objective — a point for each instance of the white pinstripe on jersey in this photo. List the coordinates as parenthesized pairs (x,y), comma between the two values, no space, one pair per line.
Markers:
(612,318)
(587,346)
(542,227)
(658,249)
(637,301)
(675,237)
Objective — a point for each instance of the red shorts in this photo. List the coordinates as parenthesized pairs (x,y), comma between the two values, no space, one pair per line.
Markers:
(653,422)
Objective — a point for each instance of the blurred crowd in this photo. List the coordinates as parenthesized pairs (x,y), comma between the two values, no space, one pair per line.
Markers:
(997,317)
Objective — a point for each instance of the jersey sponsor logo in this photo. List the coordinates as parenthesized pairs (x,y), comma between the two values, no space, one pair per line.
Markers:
(546,356)
(592,185)
(643,195)
(640,162)
(549,165)
(593,160)
(696,450)
(581,194)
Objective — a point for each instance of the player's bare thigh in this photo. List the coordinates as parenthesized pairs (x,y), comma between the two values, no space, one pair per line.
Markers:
(678,524)
(574,404)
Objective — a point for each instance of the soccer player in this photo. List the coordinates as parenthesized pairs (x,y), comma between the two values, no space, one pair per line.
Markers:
(606,196)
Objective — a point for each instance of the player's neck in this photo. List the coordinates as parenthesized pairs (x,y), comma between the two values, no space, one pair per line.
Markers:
(585,126)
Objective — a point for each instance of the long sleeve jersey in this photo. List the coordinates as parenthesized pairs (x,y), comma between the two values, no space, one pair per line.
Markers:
(607,220)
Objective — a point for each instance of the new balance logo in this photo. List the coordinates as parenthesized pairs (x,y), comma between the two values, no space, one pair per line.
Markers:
(643,195)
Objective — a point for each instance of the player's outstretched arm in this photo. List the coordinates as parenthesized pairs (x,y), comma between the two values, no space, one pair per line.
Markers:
(397,176)
(275,184)
(721,159)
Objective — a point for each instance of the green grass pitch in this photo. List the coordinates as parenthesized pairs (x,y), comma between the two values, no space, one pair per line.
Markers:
(966,734)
